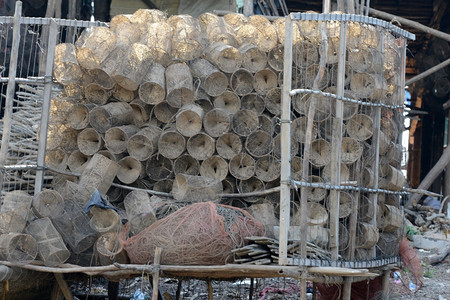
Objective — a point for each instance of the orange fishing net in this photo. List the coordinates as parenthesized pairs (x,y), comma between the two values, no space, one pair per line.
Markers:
(198,234)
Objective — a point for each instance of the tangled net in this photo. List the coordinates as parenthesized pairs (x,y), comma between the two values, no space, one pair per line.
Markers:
(198,234)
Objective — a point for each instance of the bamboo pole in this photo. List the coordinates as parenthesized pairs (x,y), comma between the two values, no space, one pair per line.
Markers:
(10,89)
(63,286)
(155,275)
(248,7)
(347,292)
(428,72)
(385,284)
(285,192)
(45,115)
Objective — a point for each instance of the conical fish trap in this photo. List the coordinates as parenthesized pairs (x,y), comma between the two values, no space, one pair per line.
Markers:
(228,145)
(242,166)
(142,17)
(258,143)
(228,101)
(189,119)
(316,214)
(214,167)
(116,138)
(315,194)
(51,247)
(89,141)
(164,112)
(133,67)
(152,89)
(253,58)
(367,236)
(251,185)
(101,78)
(259,31)
(217,122)
(171,143)
(273,101)
(345,204)
(18,247)
(186,164)
(217,30)
(179,85)
(14,211)
(276,58)
(93,46)
(144,143)
(158,167)
(305,54)
(226,57)
(190,188)
(126,33)
(79,116)
(264,80)
(277,146)
(56,159)
(187,38)
(320,153)
(109,250)
(268,168)
(244,122)
(140,211)
(280,27)
(241,82)
(360,127)
(48,203)
(94,93)
(104,220)
(158,39)
(123,94)
(344,174)
(201,146)
(130,169)
(298,129)
(66,69)
(213,82)
(253,102)
(351,150)
(109,115)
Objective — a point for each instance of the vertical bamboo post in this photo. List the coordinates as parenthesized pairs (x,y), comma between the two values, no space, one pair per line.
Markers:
(385,284)
(210,290)
(252,288)
(326,6)
(346,294)
(155,274)
(285,192)
(45,107)
(248,7)
(336,143)
(376,138)
(10,89)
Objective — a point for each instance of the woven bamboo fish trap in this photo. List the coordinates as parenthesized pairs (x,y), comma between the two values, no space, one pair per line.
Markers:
(189,119)
(228,145)
(389,127)
(201,146)
(134,65)
(116,138)
(89,141)
(79,116)
(276,58)
(264,213)
(123,94)
(141,114)
(158,39)
(18,247)
(253,58)
(126,33)
(273,101)
(93,46)
(217,122)
(96,94)
(276,146)
(253,184)
(164,112)
(259,31)
(187,37)
(345,204)
(388,244)
(367,236)
(214,167)
(316,194)
(296,168)
(316,214)
(320,153)
(66,69)
(186,164)
(216,29)
(264,81)
(130,169)
(228,101)
(306,54)
(50,245)
(109,250)
(268,168)
(242,166)
(158,167)
(48,203)
(213,82)
(164,186)
(344,174)
(56,159)
(179,85)
(77,161)
(244,122)
(142,17)
(139,210)
(253,102)
(280,27)
(105,220)
(153,87)
(171,143)
(394,179)
(115,194)
(258,143)
(144,143)
(14,211)
(241,82)
(226,57)
(298,129)
(109,155)
(360,127)
(194,189)
(110,115)
(351,150)
(392,218)
(267,123)
(101,77)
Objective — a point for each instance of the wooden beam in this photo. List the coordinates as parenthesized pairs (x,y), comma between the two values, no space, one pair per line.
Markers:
(63,286)
(443,161)
(404,21)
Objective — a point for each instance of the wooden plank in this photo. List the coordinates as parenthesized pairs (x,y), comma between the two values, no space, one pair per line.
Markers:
(63,286)
(428,72)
